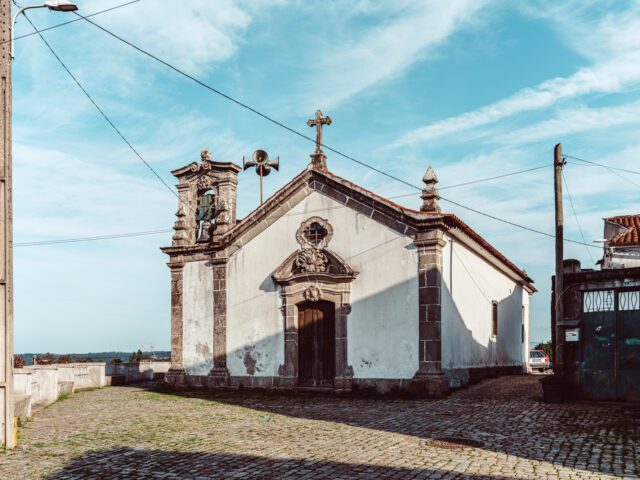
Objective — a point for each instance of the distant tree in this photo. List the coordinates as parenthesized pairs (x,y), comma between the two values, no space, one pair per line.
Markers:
(64,359)
(136,357)
(546,347)
(116,360)
(46,359)
(18,361)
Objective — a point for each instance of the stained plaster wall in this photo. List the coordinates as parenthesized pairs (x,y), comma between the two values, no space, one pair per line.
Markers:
(197,318)
(383,324)
(470,284)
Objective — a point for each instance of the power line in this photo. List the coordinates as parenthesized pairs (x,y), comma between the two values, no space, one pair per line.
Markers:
(263,116)
(292,130)
(602,165)
(472,182)
(508,222)
(546,165)
(576,216)
(153,232)
(90,239)
(104,115)
(72,21)
(244,105)
(612,170)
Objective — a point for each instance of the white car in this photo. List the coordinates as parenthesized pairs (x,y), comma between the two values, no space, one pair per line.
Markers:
(538,360)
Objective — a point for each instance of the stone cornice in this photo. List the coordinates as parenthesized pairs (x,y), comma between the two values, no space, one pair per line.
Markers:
(209,165)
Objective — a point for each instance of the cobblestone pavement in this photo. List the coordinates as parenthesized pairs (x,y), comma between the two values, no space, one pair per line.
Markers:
(497,430)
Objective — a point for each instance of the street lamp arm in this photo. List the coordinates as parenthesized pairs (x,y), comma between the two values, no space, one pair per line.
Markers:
(15,19)
(53,5)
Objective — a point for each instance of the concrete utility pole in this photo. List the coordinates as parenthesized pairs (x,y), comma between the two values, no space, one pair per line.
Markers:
(7,433)
(558,361)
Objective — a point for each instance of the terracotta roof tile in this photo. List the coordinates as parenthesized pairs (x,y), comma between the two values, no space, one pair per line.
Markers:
(631,236)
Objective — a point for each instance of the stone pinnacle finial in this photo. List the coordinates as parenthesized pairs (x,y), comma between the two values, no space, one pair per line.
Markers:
(205,155)
(430,194)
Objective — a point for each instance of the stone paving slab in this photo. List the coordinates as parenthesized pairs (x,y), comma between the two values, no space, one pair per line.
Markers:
(495,430)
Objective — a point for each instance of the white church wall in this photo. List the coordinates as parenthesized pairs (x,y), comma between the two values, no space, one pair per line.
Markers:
(526,345)
(383,323)
(255,337)
(197,318)
(470,285)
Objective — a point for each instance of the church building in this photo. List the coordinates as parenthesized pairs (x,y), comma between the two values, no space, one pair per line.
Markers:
(329,286)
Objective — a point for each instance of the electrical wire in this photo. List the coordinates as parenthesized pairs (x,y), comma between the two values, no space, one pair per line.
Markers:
(472,182)
(575,215)
(71,21)
(104,115)
(153,232)
(546,165)
(89,239)
(292,130)
(608,167)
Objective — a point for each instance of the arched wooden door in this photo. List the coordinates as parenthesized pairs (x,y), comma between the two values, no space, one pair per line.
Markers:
(316,344)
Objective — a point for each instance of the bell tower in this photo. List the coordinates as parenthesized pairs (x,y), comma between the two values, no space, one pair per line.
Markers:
(207,205)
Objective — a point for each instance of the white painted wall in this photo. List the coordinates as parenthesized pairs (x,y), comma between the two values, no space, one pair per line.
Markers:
(622,257)
(197,317)
(45,383)
(526,346)
(383,324)
(470,283)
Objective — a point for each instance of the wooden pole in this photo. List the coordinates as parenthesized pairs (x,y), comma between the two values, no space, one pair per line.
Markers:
(7,430)
(558,362)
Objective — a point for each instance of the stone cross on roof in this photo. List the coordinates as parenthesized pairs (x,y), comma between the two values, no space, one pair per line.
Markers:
(318,123)
(318,158)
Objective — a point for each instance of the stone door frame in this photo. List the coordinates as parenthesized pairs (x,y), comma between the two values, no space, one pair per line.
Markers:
(307,291)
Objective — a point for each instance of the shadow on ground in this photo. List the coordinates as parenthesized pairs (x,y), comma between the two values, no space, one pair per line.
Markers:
(503,415)
(152,464)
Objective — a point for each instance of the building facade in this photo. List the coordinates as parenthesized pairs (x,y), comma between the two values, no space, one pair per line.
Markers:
(601,324)
(621,242)
(329,286)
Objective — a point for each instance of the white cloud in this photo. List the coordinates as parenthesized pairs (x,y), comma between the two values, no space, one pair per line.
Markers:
(194,35)
(360,59)
(575,120)
(608,77)
(611,42)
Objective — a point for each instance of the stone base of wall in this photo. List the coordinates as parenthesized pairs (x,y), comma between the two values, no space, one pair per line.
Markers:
(461,377)
(341,385)
(456,378)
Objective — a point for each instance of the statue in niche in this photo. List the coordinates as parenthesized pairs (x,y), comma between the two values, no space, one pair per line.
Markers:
(205,214)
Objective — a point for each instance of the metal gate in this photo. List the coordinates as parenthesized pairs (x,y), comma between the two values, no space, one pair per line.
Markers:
(611,344)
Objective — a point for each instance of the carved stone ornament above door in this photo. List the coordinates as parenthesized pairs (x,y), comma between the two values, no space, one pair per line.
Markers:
(314,262)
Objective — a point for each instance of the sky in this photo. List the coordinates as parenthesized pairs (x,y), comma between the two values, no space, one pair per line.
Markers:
(474,88)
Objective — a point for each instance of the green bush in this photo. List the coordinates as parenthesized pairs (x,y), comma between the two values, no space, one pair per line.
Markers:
(547,348)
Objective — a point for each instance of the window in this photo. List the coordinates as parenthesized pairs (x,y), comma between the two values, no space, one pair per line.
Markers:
(598,301)
(315,233)
(494,318)
(523,320)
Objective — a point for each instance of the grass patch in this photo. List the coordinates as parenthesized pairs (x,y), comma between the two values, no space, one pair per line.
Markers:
(61,398)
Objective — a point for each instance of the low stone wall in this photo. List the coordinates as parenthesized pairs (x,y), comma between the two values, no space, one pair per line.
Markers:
(121,373)
(37,386)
